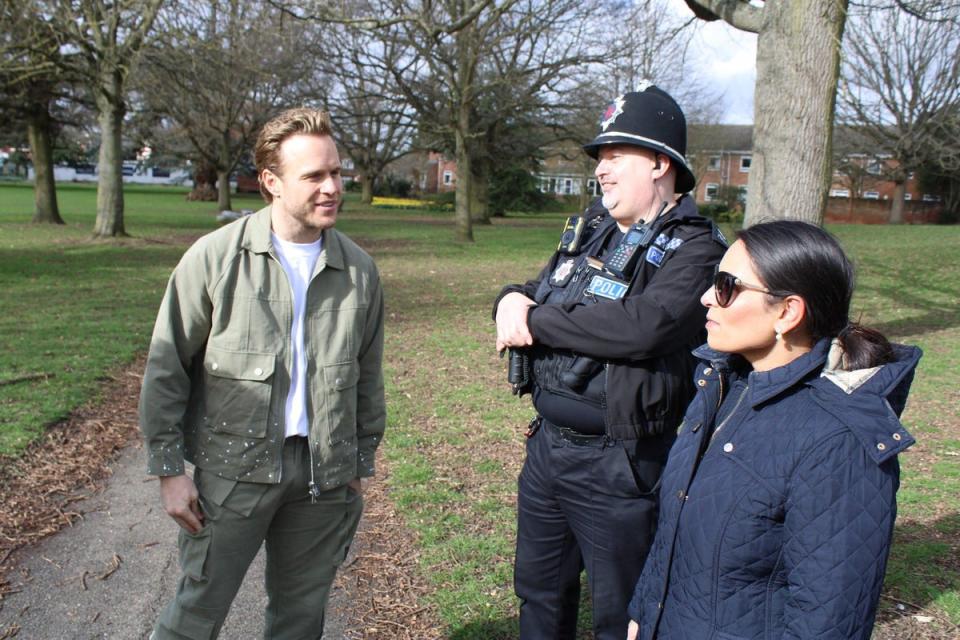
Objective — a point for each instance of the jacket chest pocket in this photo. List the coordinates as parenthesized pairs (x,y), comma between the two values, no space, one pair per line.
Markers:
(237,391)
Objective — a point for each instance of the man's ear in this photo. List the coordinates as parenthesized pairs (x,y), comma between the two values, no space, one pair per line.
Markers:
(661,164)
(269,180)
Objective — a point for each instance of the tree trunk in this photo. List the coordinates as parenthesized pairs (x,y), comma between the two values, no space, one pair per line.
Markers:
(464,225)
(109,221)
(479,194)
(204,177)
(223,190)
(366,188)
(44,186)
(897,206)
(798,62)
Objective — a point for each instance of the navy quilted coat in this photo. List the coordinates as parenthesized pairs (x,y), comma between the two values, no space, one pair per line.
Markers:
(783,528)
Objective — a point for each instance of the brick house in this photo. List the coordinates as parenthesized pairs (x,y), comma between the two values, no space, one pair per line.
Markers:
(427,171)
(861,190)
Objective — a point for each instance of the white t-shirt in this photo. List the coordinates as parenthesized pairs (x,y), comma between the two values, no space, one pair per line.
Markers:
(299,261)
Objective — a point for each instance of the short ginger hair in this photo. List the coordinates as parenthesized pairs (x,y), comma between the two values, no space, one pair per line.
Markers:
(266,152)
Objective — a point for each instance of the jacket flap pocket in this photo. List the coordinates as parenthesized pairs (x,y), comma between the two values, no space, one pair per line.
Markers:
(246,365)
(342,376)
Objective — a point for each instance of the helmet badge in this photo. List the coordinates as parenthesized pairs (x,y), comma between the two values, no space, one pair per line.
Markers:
(614,109)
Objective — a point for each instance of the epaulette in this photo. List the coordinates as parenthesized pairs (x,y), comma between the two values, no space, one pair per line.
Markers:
(718,236)
(595,213)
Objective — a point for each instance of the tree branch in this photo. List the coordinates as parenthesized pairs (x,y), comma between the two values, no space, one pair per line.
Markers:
(738,13)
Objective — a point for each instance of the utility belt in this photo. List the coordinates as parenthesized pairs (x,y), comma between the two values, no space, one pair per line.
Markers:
(574,437)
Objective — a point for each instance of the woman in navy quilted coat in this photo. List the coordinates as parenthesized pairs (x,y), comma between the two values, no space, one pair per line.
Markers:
(778,499)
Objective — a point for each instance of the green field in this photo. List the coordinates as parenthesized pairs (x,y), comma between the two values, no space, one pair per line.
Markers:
(74,309)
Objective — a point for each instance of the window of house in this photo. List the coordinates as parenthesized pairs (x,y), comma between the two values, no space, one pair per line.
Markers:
(568,186)
(544,185)
(714,163)
(447,177)
(871,195)
(745,162)
(930,197)
(839,193)
(908,196)
(710,191)
(593,188)
(875,168)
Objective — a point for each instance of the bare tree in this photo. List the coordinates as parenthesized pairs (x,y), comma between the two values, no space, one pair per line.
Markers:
(901,78)
(219,69)
(446,75)
(372,120)
(102,41)
(514,63)
(29,87)
(798,61)
(649,43)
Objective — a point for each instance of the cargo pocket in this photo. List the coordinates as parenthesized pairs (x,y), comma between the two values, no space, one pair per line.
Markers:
(193,553)
(237,391)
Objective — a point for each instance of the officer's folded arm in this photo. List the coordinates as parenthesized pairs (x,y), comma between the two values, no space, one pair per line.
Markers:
(512,327)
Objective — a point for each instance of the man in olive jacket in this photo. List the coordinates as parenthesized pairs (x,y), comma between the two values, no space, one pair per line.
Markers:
(265,372)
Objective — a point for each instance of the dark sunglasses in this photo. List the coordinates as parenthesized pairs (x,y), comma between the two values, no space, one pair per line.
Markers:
(726,285)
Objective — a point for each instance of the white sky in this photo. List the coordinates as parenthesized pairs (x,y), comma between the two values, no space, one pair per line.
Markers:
(726,59)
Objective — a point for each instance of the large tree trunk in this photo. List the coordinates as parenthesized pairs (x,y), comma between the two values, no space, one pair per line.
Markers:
(223,190)
(44,186)
(464,225)
(366,188)
(798,62)
(897,206)
(479,194)
(109,221)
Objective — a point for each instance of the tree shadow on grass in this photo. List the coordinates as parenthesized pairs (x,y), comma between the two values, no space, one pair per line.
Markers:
(913,288)
(923,569)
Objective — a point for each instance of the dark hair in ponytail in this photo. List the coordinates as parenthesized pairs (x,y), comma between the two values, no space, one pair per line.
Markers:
(802,258)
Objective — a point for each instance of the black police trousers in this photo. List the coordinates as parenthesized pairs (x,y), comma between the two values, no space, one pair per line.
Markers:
(584,503)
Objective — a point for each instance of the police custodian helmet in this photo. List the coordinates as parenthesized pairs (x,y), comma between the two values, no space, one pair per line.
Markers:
(647,118)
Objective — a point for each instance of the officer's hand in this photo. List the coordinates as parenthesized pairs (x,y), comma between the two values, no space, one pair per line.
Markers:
(512,329)
(181,501)
(633,630)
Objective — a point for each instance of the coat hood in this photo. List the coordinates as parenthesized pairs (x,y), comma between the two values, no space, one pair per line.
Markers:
(868,401)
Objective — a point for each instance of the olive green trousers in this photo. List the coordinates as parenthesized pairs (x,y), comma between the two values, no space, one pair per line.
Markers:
(305,543)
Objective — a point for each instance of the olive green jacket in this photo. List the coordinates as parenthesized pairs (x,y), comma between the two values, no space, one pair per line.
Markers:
(218,371)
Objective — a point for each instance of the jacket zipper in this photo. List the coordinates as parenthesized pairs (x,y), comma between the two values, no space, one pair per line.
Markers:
(731,414)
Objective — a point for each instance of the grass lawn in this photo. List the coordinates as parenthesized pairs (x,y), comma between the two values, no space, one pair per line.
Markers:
(73,309)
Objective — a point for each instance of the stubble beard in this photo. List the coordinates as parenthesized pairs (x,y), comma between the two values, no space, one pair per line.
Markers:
(609,201)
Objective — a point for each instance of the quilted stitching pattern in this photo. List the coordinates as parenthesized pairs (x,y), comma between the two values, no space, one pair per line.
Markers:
(784,529)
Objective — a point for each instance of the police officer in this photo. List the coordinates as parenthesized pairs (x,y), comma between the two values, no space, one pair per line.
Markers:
(608,327)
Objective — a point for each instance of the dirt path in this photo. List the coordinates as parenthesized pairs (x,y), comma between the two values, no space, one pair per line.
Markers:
(113,564)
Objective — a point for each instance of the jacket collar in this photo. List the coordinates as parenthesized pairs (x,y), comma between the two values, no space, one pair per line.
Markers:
(257,239)
(764,385)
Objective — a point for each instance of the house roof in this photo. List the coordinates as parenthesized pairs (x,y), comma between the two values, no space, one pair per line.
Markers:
(719,137)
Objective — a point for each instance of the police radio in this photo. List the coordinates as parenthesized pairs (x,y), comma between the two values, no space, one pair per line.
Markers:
(624,258)
(638,237)
(572,233)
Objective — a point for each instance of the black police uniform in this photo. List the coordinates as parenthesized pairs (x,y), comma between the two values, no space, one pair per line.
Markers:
(611,381)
